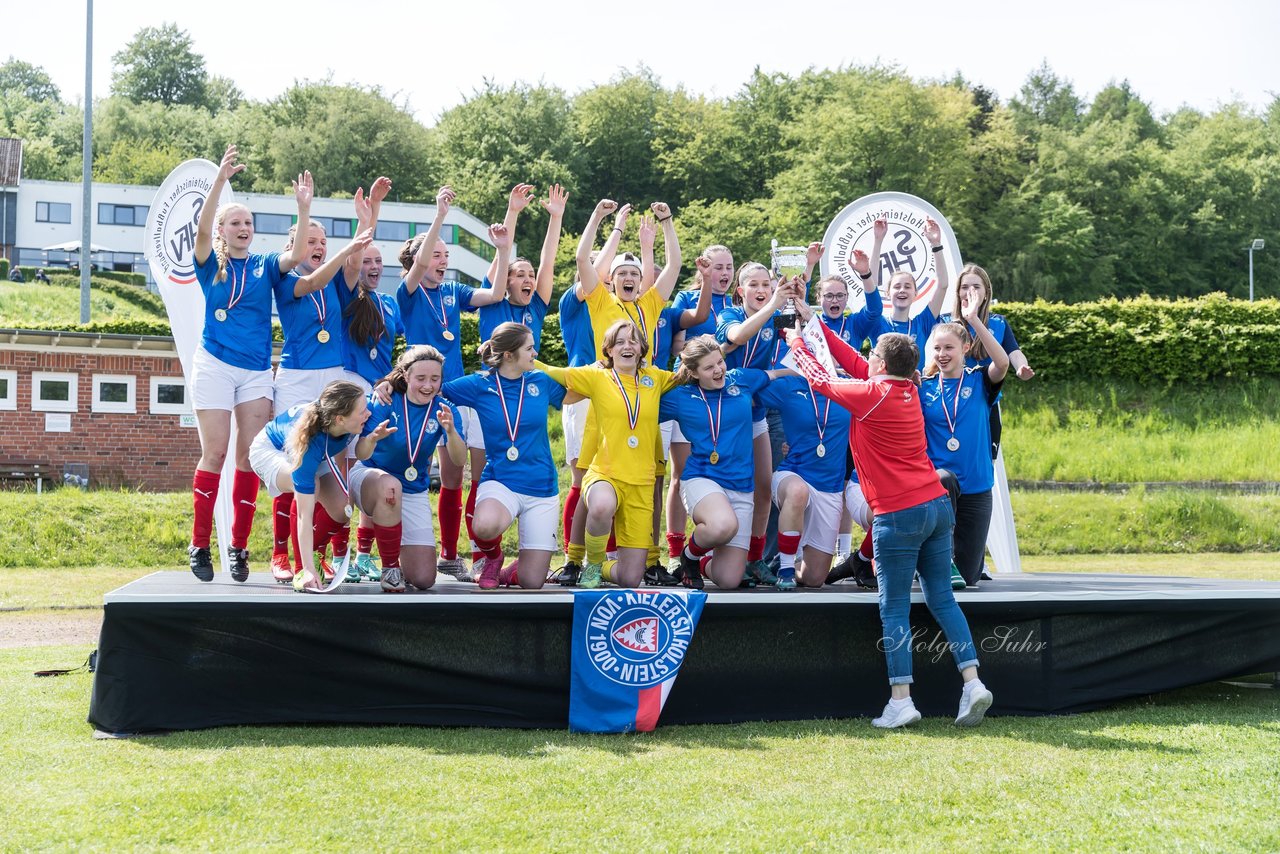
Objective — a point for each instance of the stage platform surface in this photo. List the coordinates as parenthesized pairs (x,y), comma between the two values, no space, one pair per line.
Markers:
(178,654)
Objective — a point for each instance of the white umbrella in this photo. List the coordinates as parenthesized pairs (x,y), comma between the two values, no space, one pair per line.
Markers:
(74,246)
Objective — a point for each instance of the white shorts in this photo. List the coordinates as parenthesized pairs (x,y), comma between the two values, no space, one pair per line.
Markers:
(693,491)
(759,428)
(677,435)
(470,428)
(539,518)
(217,385)
(856,503)
(573,416)
(268,462)
(821,515)
(300,385)
(352,377)
(415,509)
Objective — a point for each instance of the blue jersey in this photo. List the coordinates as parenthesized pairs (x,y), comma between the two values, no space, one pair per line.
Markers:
(575,329)
(697,410)
(243,339)
(855,328)
(428,313)
(809,420)
(689,300)
(761,352)
(314,462)
(533,472)
(504,311)
(421,432)
(1000,330)
(370,359)
(918,327)
(968,403)
(668,328)
(300,317)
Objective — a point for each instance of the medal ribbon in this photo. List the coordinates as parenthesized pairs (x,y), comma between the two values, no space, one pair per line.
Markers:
(713,425)
(638,320)
(822,428)
(436,312)
(952,418)
(633,414)
(321,309)
(235,296)
(422,431)
(337,474)
(511,431)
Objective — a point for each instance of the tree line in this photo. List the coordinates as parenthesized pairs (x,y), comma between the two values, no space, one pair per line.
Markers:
(1058,196)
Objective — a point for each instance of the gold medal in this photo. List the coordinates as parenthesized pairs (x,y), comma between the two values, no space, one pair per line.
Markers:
(323,336)
(447,335)
(411,474)
(715,457)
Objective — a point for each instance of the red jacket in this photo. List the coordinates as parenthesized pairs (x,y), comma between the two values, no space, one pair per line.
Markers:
(887,430)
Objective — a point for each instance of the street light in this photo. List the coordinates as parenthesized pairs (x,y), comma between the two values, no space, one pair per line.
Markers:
(1257,245)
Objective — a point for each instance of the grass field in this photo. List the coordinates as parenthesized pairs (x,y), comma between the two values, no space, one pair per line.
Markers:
(35,302)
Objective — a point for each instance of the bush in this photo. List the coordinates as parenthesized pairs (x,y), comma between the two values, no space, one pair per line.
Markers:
(1183,340)
(4,269)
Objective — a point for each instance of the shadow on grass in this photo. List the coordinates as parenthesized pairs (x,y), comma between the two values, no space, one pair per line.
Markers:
(1214,705)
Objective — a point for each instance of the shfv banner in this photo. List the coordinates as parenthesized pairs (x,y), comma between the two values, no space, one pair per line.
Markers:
(170,251)
(905,248)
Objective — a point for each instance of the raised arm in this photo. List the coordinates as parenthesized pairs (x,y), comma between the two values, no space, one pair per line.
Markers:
(741,333)
(842,391)
(554,204)
(366,219)
(455,446)
(366,443)
(666,280)
(563,376)
(588,278)
(422,258)
(812,256)
(604,258)
(501,240)
(303,190)
(648,232)
(995,351)
(933,234)
(317,279)
(700,312)
(848,358)
(209,212)
(519,199)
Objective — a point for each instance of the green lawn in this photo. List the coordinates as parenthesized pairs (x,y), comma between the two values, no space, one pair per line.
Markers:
(1195,769)
(41,304)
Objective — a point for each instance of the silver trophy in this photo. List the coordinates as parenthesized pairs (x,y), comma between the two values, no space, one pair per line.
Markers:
(787,262)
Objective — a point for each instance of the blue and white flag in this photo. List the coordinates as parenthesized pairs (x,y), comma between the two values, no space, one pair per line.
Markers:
(627,648)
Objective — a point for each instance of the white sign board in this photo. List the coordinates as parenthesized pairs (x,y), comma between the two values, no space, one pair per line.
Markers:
(57,422)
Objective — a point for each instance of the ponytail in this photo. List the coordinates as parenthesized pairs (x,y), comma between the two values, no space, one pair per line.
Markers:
(338,398)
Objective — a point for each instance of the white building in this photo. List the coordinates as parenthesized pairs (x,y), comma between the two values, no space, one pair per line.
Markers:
(47,213)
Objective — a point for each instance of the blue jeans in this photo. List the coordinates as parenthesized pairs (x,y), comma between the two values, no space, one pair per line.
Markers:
(910,541)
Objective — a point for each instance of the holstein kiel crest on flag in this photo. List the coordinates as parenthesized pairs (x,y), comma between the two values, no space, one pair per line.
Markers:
(628,646)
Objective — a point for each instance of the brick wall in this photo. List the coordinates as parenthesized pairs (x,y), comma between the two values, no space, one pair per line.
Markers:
(139,450)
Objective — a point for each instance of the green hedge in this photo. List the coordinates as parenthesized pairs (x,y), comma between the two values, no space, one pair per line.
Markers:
(135,279)
(4,269)
(1166,341)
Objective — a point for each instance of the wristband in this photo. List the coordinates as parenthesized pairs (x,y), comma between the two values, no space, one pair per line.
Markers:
(664,219)
(937,248)
(864,276)
(615,228)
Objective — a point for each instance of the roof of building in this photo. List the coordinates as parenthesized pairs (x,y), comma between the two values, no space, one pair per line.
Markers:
(10,162)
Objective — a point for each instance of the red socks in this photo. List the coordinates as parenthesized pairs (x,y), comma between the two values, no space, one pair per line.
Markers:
(244,498)
(490,548)
(449,508)
(755,551)
(341,539)
(612,545)
(675,543)
(471,508)
(570,504)
(280,507)
(866,549)
(322,528)
(364,537)
(694,549)
(388,537)
(788,544)
(204,492)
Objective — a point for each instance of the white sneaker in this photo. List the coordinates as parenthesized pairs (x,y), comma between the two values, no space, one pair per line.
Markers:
(975,699)
(892,718)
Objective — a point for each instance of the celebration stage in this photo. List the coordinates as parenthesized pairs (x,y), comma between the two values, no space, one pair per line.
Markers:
(177,654)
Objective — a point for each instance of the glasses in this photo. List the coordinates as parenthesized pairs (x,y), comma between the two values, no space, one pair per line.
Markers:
(877,355)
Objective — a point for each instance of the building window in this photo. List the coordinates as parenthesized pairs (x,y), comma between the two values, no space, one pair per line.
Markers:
(54,392)
(268,223)
(113,393)
(8,390)
(391,230)
(334,227)
(448,233)
(474,245)
(122,214)
(453,275)
(169,396)
(53,212)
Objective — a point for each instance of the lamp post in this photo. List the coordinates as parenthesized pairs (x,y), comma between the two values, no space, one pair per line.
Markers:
(1257,245)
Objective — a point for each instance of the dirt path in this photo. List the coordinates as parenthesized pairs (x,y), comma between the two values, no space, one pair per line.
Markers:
(49,628)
